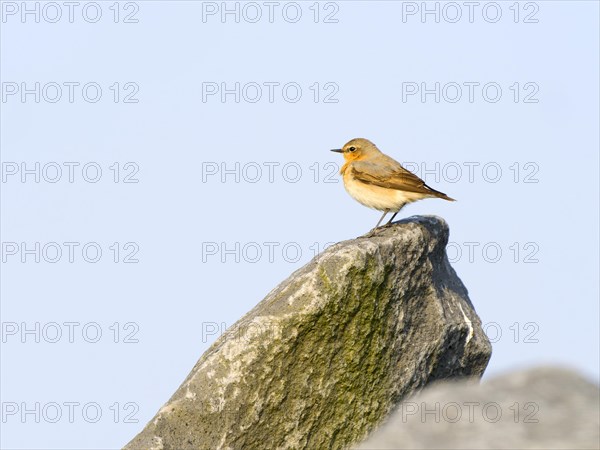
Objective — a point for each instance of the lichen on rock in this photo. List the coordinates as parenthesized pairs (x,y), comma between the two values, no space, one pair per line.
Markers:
(332,350)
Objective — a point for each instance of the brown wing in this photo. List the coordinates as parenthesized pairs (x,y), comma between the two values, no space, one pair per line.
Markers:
(392,176)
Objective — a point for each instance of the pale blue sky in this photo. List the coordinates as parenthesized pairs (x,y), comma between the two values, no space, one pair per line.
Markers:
(540,211)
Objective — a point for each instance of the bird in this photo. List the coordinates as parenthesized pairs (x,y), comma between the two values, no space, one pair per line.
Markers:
(378,181)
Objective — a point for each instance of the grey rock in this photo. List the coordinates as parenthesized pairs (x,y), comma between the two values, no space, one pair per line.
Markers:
(539,408)
(332,350)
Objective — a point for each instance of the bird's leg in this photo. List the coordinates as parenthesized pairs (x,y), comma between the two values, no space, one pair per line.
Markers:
(390,221)
(380,220)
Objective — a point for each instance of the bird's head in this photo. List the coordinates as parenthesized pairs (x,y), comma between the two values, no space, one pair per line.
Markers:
(358,149)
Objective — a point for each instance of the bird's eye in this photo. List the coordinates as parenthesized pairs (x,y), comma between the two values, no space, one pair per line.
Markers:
(351,149)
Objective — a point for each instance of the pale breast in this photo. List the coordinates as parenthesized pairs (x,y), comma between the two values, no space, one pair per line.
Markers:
(374,196)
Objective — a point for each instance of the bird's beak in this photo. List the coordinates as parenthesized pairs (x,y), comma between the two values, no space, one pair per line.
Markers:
(338,150)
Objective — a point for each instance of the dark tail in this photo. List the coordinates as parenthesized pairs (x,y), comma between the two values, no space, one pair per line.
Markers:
(439,194)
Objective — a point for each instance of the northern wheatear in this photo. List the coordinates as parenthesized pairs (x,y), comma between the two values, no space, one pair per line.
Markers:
(380,182)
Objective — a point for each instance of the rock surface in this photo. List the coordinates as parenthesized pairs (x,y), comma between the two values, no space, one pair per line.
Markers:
(332,350)
(541,408)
